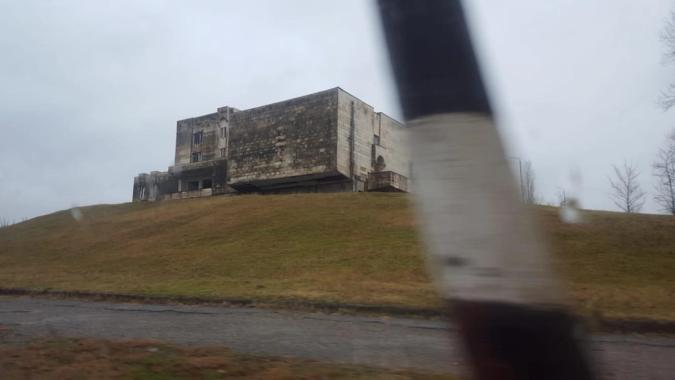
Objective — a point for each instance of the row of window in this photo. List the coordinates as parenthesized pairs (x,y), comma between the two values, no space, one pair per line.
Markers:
(198,137)
(194,185)
(197,156)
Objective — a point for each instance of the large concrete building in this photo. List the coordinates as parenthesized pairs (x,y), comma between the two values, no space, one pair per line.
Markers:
(324,142)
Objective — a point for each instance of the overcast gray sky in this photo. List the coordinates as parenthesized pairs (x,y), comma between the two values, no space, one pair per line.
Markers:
(91,90)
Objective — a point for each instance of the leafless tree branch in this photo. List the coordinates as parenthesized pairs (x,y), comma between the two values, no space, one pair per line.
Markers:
(626,191)
(664,171)
(666,99)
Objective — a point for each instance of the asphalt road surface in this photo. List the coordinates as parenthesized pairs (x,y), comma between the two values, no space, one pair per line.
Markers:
(374,341)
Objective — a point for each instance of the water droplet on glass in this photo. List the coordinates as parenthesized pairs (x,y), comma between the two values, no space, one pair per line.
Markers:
(76,213)
(570,215)
(569,211)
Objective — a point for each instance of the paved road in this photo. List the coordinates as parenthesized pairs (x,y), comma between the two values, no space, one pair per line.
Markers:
(385,342)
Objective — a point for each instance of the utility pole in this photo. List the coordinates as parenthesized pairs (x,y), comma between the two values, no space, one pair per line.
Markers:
(488,262)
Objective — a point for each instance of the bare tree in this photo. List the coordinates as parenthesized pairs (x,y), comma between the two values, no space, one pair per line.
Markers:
(664,171)
(667,98)
(529,190)
(626,191)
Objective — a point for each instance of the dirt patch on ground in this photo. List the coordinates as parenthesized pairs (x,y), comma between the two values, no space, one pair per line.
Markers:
(147,359)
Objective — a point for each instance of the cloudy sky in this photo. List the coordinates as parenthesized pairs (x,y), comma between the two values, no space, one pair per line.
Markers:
(90,90)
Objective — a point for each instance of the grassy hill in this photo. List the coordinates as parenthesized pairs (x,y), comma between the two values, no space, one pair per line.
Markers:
(354,248)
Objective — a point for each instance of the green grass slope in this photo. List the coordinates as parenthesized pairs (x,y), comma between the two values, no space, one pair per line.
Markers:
(352,248)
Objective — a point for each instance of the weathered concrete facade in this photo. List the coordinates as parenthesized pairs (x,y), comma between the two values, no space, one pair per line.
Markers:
(327,141)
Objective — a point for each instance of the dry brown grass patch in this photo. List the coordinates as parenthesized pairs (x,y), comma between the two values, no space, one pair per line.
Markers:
(345,248)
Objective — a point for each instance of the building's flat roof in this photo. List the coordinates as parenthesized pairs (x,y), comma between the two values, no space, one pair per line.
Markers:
(291,99)
(205,116)
(338,88)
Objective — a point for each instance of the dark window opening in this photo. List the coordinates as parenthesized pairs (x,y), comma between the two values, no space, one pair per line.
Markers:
(193,185)
(207,184)
(376,139)
(379,164)
(197,137)
(222,152)
(196,157)
(373,153)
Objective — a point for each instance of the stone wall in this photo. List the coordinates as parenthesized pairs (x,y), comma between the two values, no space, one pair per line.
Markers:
(207,147)
(392,145)
(280,141)
(355,138)
(375,135)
